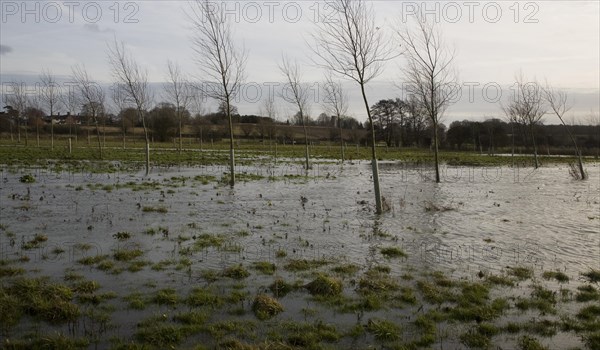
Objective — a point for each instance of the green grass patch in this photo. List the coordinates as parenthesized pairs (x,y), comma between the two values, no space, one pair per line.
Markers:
(324,285)
(127,254)
(384,330)
(393,252)
(264,267)
(296,265)
(520,272)
(556,275)
(236,272)
(266,307)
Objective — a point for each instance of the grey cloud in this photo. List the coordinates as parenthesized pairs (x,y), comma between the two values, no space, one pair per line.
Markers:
(4,49)
(95,28)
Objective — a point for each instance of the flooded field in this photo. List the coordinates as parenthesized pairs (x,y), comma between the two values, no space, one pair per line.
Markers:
(494,257)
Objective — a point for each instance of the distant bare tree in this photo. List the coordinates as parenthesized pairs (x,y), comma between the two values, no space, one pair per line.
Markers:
(121,102)
(526,105)
(91,95)
(268,108)
(335,102)
(349,43)
(558,102)
(179,92)
(134,79)
(299,97)
(429,73)
(18,100)
(50,95)
(221,62)
(68,99)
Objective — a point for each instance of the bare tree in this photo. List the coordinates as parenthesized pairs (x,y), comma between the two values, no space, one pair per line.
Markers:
(349,43)
(335,102)
(526,105)
(296,93)
(69,101)
(91,96)
(128,72)
(429,73)
(268,108)
(121,101)
(179,93)
(18,101)
(221,62)
(558,102)
(50,95)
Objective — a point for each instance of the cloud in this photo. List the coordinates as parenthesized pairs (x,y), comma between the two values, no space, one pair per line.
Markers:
(95,28)
(4,49)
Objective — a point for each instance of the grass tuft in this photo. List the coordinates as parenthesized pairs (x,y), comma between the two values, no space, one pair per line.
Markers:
(266,307)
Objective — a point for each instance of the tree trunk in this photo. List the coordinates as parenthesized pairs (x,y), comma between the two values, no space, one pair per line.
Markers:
(374,166)
(435,152)
(342,144)
(99,139)
(535,155)
(306,156)
(147,157)
(231,150)
(180,136)
(147,139)
(51,133)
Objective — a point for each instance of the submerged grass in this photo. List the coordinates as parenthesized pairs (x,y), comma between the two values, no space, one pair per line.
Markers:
(296,265)
(266,307)
(325,285)
(384,330)
(393,252)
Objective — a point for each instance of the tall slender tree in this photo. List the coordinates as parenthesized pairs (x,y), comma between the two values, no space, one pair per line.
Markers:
(429,73)
(18,100)
(526,105)
(349,43)
(50,95)
(128,72)
(91,97)
(222,63)
(558,101)
(298,94)
(335,102)
(121,101)
(179,92)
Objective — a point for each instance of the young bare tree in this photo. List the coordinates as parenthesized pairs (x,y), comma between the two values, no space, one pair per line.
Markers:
(526,105)
(18,100)
(68,99)
(297,94)
(429,73)
(220,60)
(558,102)
(335,102)
(127,71)
(349,43)
(179,93)
(50,96)
(121,102)
(90,95)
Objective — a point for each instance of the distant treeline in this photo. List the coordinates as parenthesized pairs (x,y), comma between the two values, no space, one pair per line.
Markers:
(397,124)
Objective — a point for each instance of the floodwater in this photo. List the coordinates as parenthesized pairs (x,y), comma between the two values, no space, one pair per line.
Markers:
(477,219)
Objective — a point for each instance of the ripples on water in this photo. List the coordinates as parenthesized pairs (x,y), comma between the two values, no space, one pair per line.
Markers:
(476,219)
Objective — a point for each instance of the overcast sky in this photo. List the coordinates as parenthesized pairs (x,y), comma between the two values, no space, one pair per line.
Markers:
(557,41)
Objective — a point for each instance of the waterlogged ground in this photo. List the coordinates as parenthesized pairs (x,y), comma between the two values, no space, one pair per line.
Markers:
(490,258)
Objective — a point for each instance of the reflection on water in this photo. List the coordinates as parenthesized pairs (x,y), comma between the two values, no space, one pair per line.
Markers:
(476,218)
